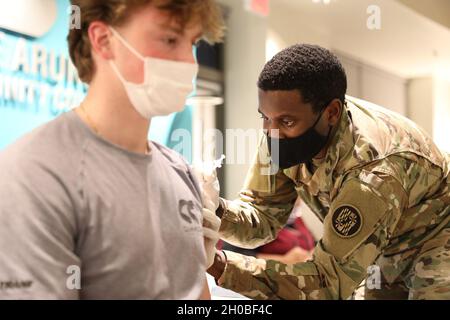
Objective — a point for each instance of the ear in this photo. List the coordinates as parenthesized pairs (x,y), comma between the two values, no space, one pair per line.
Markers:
(99,36)
(333,112)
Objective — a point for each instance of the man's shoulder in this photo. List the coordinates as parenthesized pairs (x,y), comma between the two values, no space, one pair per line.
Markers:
(179,164)
(49,145)
(403,166)
(172,157)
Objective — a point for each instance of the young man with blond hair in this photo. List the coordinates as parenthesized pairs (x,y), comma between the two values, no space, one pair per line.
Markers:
(87,194)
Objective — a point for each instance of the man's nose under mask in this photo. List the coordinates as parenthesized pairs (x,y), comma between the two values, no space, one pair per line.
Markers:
(289,152)
(166,84)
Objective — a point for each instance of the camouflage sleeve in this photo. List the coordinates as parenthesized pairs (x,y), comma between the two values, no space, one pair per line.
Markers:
(360,222)
(263,206)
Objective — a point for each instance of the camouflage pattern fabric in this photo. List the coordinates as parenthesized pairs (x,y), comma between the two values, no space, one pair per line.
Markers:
(422,273)
(382,192)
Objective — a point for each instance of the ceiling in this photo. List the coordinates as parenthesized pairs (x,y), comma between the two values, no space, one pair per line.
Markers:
(436,10)
(408,44)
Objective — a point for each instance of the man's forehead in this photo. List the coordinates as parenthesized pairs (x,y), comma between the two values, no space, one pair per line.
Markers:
(175,24)
(282,94)
(283,99)
(282,103)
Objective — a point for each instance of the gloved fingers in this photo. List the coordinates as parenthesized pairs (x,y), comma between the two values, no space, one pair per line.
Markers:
(211,218)
(206,172)
(210,234)
(213,225)
(210,203)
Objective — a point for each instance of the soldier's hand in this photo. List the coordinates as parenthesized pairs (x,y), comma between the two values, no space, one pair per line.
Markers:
(218,267)
(296,255)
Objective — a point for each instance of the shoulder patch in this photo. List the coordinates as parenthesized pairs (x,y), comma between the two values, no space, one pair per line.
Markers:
(346,221)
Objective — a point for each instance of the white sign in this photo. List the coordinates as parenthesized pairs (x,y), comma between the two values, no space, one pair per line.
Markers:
(32,18)
(37,77)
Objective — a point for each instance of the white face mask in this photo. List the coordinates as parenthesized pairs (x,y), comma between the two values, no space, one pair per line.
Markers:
(166,84)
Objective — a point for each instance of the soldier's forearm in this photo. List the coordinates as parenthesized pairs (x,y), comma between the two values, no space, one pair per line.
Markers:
(261,279)
(248,225)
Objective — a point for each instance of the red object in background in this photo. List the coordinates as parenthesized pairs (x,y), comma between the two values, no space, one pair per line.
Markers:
(296,235)
(288,238)
(260,7)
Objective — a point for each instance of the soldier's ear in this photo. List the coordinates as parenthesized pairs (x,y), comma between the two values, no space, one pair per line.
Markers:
(334,111)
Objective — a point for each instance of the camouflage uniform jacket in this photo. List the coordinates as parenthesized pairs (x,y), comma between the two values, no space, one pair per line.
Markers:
(382,189)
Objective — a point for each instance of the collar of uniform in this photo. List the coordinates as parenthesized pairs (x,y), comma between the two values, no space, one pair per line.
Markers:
(341,144)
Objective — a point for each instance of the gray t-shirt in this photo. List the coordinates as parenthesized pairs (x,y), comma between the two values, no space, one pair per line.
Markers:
(76,209)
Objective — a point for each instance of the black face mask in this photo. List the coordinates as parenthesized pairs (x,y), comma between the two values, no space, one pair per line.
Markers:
(301,149)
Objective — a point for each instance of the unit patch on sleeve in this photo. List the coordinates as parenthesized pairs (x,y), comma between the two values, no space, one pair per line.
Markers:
(346,221)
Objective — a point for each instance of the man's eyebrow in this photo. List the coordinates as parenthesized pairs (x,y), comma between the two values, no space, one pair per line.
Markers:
(171,27)
(285,115)
(176,30)
(180,31)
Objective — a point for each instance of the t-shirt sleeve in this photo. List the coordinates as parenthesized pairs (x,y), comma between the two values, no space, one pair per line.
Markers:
(37,236)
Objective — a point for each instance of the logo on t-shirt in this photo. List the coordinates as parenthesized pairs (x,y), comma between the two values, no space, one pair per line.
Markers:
(15,284)
(190,215)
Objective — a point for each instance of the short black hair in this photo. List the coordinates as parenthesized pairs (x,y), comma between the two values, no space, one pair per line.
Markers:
(313,70)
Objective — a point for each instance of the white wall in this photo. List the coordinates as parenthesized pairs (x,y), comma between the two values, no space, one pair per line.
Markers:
(375,85)
(384,89)
(244,60)
(441,112)
(285,28)
(353,70)
(420,102)
(437,10)
(429,107)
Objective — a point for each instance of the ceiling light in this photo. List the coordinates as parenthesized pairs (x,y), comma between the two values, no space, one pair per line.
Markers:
(322,1)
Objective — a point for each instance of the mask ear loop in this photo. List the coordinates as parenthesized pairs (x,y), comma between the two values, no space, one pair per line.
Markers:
(329,133)
(126,44)
(320,116)
(116,70)
(129,47)
(331,127)
(317,121)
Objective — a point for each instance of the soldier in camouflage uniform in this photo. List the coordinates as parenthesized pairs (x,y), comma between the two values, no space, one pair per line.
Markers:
(381,188)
